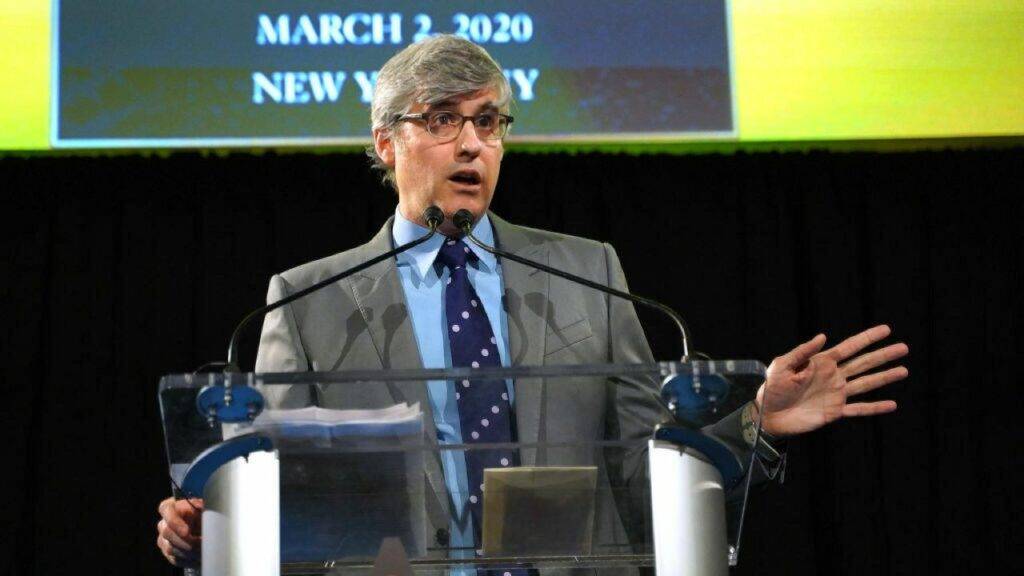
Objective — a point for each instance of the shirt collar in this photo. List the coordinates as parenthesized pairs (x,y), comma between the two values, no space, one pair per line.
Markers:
(422,257)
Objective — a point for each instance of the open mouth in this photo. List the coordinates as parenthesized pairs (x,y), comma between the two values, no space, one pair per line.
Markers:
(466,177)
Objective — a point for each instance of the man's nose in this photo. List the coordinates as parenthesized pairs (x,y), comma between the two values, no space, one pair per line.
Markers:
(469,141)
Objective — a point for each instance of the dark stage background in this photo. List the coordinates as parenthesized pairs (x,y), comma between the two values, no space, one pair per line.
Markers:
(120,269)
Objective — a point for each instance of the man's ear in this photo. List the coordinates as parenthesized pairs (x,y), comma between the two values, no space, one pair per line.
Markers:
(384,144)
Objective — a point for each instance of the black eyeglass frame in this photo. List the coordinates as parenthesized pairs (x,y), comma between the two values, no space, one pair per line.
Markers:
(425,117)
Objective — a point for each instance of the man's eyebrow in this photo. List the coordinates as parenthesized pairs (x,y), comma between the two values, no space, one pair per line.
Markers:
(453,103)
(449,103)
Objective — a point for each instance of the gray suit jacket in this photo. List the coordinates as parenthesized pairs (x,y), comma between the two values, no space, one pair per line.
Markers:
(362,323)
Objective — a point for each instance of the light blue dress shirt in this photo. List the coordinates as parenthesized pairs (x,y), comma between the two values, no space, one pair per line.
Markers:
(423,282)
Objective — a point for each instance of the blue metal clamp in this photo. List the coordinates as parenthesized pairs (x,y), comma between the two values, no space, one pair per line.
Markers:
(721,457)
(215,456)
(228,403)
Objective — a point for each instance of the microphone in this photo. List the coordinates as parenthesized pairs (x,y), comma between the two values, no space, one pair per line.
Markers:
(463,220)
(433,216)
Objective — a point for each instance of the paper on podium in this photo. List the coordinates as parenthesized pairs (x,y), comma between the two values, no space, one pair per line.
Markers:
(324,426)
(534,510)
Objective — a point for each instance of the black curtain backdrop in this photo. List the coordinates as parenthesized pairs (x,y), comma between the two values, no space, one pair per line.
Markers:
(121,269)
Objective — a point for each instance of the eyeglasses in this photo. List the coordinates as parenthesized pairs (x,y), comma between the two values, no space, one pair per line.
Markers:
(446,126)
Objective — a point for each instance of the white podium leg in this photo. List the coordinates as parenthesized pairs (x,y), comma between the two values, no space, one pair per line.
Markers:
(688,505)
(241,518)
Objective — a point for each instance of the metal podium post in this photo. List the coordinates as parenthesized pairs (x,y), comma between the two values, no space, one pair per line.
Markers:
(241,518)
(688,504)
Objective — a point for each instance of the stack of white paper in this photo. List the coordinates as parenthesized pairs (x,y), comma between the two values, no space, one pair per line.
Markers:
(327,423)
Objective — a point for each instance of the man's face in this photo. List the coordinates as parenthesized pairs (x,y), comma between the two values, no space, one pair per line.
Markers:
(452,175)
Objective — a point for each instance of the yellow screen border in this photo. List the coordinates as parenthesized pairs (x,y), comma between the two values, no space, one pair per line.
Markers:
(868,73)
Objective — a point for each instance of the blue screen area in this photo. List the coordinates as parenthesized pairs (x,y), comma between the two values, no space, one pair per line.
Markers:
(195,73)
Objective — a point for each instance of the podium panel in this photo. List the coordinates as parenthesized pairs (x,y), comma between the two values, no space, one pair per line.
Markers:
(365,458)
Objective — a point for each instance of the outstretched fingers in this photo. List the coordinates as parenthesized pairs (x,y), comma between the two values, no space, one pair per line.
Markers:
(868,408)
(870,382)
(874,359)
(858,342)
(797,358)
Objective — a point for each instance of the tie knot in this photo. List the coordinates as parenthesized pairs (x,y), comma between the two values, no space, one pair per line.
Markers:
(454,253)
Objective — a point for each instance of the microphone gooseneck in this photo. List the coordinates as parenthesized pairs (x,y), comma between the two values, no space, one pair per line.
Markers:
(463,220)
(432,216)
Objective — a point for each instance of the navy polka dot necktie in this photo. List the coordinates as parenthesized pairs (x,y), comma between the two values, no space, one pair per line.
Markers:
(485,413)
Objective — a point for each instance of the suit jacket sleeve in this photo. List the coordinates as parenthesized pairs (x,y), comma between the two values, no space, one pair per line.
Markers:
(281,350)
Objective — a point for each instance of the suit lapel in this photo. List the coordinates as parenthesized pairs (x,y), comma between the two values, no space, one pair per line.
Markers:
(526,304)
(378,293)
(381,300)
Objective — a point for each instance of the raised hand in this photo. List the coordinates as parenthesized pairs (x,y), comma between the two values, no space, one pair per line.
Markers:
(808,387)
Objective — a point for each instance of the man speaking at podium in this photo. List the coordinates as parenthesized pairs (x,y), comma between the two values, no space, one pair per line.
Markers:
(439,116)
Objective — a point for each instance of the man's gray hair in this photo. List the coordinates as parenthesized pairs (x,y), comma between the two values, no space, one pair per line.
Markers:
(430,71)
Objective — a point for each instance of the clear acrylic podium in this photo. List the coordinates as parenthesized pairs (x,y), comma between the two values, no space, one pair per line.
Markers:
(334,473)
